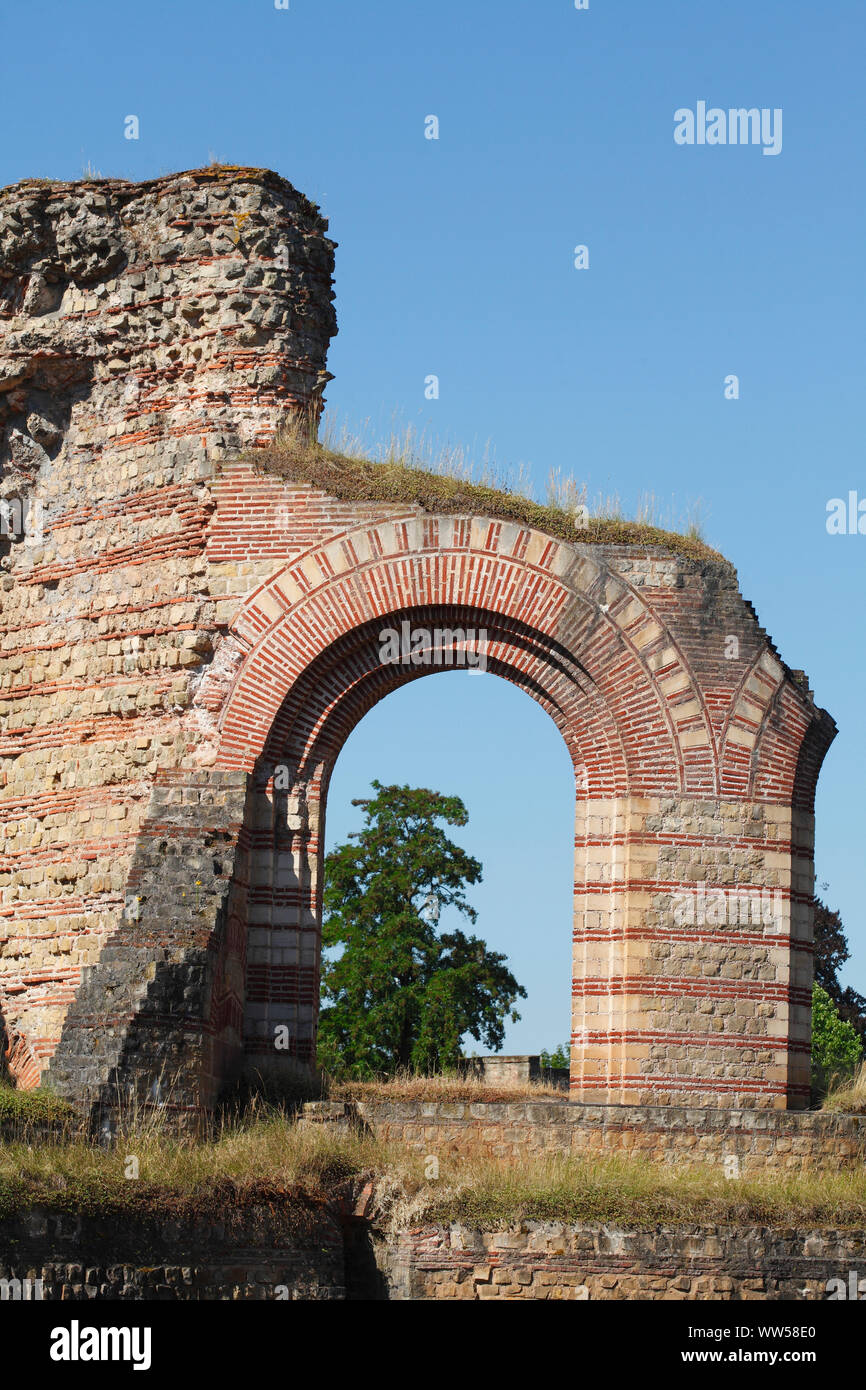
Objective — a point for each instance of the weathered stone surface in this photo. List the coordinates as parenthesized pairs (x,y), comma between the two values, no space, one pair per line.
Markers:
(131,361)
(177,625)
(86,1259)
(283,1251)
(552,1260)
(740,1143)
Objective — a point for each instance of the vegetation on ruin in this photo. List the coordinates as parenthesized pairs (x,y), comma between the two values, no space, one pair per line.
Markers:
(405,1085)
(32,1107)
(268,1161)
(635,1193)
(410,469)
(847,1094)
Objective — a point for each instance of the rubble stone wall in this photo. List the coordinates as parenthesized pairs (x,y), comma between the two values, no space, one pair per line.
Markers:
(280,1254)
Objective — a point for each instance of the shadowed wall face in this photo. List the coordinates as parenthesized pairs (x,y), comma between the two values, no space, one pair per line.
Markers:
(189,642)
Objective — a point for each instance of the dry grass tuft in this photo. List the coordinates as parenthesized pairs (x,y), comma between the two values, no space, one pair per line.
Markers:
(629,1192)
(263,1157)
(847,1095)
(441,1086)
(410,470)
(268,1158)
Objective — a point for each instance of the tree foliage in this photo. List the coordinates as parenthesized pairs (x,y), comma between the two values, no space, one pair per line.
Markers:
(831,953)
(401,994)
(559,1058)
(836,1047)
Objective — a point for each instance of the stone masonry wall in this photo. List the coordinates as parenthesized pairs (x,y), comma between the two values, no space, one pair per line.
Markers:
(177,624)
(322,1258)
(554,1261)
(145,330)
(281,1250)
(742,1142)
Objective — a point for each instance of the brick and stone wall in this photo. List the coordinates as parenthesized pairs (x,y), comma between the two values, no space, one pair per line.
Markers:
(552,1260)
(282,1250)
(177,625)
(742,1143)
(146,330)
(262,1256)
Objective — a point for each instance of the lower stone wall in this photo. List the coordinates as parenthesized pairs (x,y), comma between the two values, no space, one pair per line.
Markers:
(278,1251)
(743,1141)
(543,1260)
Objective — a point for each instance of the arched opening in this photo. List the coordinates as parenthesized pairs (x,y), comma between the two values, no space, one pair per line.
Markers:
(481,738)
(279,956)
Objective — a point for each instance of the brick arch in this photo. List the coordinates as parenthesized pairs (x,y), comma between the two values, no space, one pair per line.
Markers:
(347,679)
(135,743)
(658,1013)
(741,733)
(483,567)
(314,720)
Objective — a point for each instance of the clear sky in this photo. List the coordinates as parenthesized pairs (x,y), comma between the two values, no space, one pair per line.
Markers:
(456,258)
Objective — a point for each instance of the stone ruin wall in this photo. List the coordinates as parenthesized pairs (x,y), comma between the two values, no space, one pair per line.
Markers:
(147,331)
(346,1250)
(152,333)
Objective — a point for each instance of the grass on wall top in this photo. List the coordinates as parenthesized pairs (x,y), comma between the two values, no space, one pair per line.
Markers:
(260,1157)
(267,1162)
(441,481)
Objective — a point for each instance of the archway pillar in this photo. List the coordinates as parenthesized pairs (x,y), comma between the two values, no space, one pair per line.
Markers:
(692,952)
(284,916)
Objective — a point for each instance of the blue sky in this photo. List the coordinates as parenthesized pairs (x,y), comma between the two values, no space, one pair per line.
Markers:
(456,258)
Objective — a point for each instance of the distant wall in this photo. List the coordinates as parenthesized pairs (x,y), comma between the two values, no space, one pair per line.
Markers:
(498,1070)
(757,1139)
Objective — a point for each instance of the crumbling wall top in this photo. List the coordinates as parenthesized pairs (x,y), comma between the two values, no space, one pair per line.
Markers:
(197,303)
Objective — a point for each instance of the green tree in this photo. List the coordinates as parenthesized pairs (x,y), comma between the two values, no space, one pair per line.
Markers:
(559,1058)
(836,1047)
(831,953)
(400,994)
